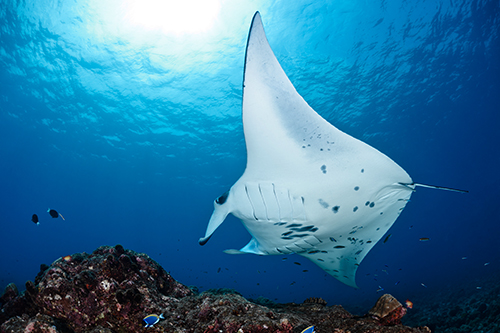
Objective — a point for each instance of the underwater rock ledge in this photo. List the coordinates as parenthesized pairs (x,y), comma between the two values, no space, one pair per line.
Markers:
(113,289)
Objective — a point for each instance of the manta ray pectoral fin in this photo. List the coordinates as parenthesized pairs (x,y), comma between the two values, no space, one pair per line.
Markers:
(221,210)
(251,248)
(412,186)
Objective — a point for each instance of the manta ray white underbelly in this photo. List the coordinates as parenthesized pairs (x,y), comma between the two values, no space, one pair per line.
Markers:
(308,187)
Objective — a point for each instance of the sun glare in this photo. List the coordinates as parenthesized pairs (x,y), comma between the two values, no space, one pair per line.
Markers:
(173,16)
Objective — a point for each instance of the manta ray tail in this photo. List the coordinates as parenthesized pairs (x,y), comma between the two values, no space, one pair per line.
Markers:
(411,185)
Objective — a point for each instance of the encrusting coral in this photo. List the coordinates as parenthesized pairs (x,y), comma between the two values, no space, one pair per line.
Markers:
(112,289)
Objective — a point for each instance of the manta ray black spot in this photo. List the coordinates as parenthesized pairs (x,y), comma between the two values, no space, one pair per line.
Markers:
(359,251)
(308,228)
(323,167)
(368,242)
(287,233)
(355,209)
(339,247)
(372,205)
(313,251)
(367,203)
(362,170)
(332,239)
(356,188)
(323,203)
(294,225)
(336,209)
(319,259)
(287,238)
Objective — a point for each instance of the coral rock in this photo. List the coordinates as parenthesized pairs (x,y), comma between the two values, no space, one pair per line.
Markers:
(113,289)
(315,300)
(9,293)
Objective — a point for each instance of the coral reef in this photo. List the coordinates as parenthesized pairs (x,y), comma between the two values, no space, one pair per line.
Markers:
(113,289)
(474,307)
(316,300)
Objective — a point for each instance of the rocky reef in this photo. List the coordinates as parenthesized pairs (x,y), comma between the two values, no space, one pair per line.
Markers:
(472,307)
(113,289)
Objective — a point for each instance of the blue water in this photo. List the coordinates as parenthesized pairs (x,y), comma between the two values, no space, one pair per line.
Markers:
(131,131)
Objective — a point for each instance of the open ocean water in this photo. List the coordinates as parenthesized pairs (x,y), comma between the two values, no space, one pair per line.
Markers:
(125,117)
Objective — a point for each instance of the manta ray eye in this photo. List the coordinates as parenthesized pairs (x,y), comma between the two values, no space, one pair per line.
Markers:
(220,200)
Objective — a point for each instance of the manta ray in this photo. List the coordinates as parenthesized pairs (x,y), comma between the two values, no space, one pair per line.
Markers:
(308,188)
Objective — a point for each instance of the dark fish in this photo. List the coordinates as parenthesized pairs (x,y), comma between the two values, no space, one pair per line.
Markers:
(387,238)
(53,213)
(297,263)
(424,239)
(34,219)
(218,270)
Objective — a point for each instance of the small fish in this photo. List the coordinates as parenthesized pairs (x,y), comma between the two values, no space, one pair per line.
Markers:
(34,219)
(463,258)
(423,285)
(152,319)
(380,288)
(486,263)
(478,287)
(218,270)
(387,238)
(305,270)
(310,329)
(284,259)
(410,227)
(67,258)
(397,283)
(53,213)
(385,271)
(409,304)
(424,239)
